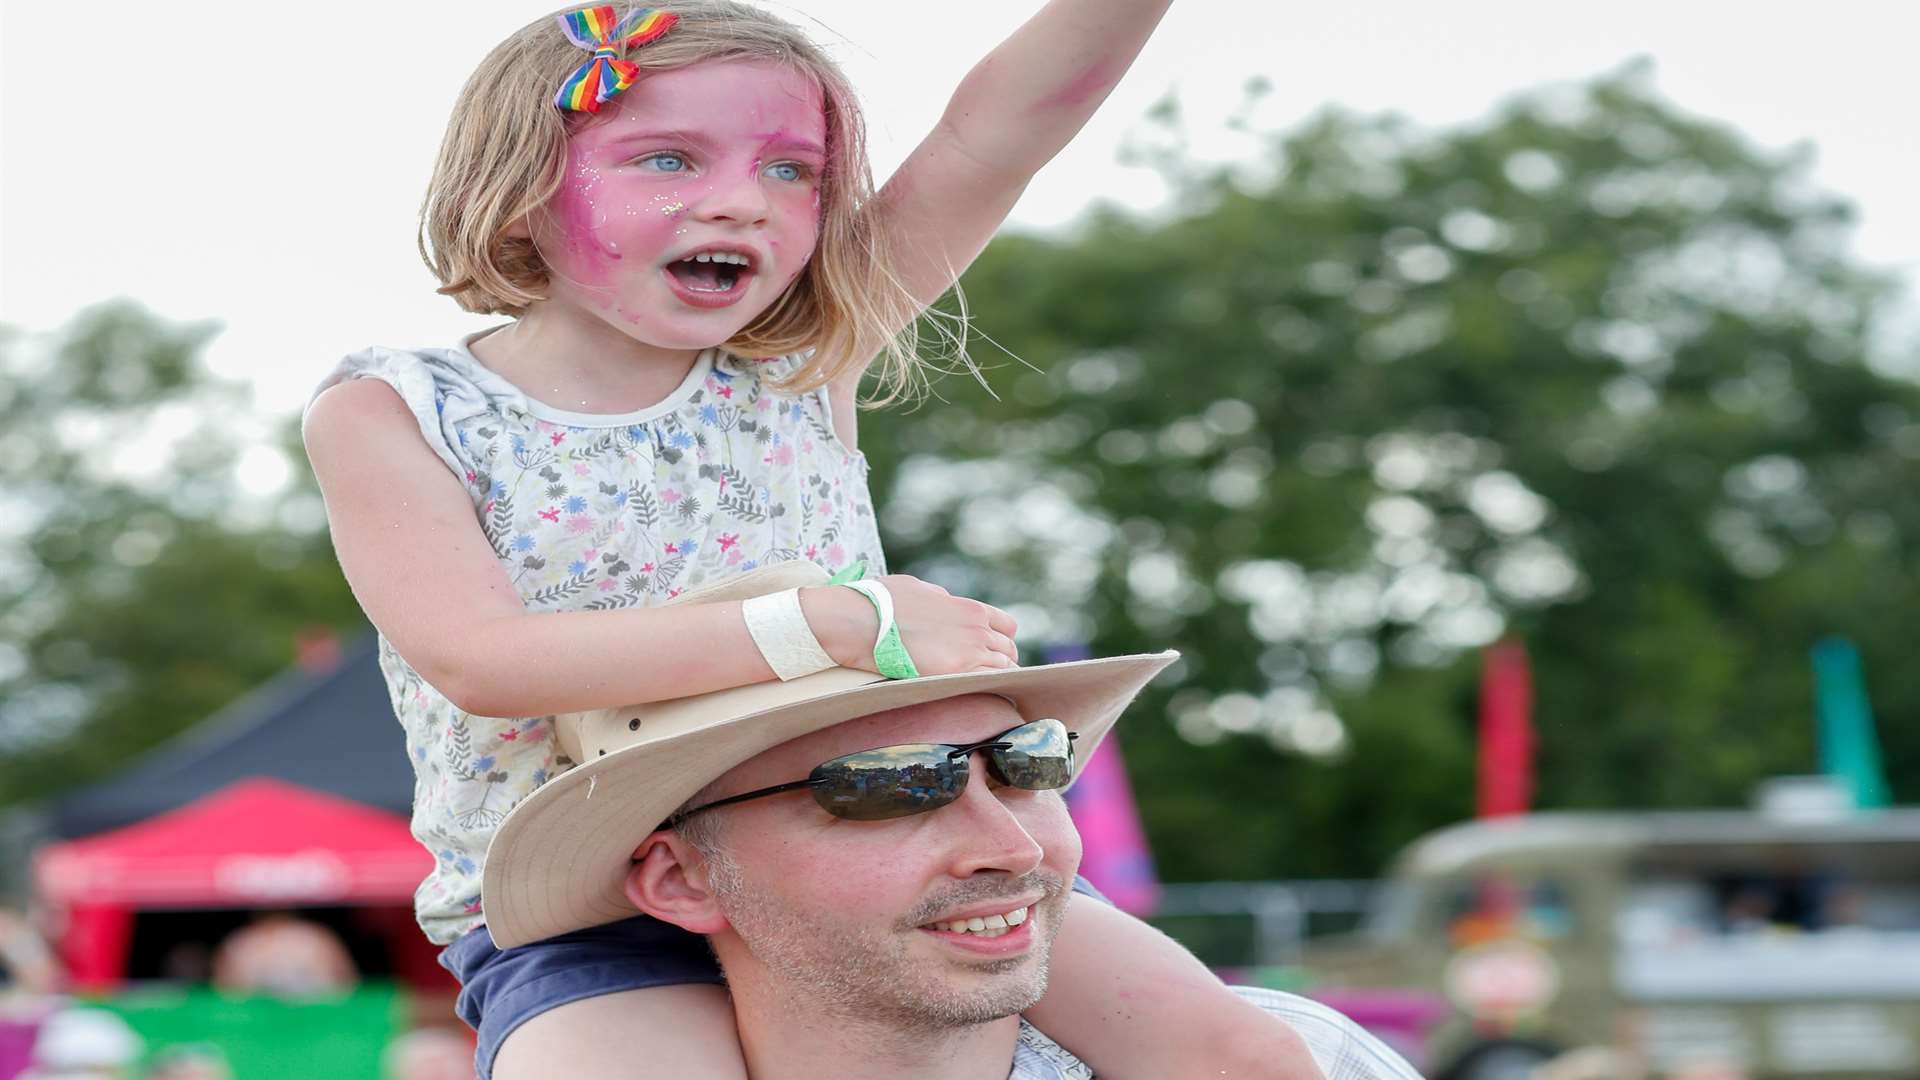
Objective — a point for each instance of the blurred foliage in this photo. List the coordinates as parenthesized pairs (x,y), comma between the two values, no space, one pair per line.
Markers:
(141,587)
(1590,373)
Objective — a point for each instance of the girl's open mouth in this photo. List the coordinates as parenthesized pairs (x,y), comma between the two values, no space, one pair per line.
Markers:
(710,279)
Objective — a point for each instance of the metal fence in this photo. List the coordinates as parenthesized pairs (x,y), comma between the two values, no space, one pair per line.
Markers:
(1238,924)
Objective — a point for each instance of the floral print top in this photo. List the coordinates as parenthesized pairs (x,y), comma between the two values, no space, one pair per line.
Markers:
(590,512)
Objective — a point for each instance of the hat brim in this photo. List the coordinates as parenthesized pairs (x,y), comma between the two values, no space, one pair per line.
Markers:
(559,860)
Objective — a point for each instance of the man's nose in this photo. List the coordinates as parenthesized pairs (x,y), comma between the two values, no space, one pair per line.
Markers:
(988,833)
(734,198)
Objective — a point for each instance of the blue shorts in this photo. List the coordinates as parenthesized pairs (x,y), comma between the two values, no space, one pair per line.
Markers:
(500,989)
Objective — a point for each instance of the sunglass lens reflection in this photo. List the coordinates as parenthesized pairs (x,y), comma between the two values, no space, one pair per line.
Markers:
(1039,759)
(888,783)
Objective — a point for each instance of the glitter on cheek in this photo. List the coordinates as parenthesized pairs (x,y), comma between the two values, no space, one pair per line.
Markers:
(578,209)
(588,189)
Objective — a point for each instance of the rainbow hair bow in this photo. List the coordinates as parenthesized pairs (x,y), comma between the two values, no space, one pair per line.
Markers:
(596,30)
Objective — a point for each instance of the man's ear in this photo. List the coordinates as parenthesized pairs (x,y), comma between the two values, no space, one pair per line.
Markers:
(668,880)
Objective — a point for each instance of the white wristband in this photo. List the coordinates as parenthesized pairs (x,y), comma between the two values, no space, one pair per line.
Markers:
(779,627)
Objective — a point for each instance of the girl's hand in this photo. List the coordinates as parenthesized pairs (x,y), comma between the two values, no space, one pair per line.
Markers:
(944,634)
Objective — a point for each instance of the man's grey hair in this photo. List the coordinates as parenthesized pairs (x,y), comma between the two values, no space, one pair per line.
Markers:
(703,831)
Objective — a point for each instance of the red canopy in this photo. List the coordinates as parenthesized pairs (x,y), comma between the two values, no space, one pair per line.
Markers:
(256,843)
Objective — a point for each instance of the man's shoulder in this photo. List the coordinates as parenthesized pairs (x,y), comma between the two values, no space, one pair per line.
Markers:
(1343,1049)
(1036,1057)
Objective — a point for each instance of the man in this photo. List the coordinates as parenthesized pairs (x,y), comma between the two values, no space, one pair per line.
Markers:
(880,867)
(285,956)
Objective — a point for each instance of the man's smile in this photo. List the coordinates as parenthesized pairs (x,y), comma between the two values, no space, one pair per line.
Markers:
(999,929)
(992,925)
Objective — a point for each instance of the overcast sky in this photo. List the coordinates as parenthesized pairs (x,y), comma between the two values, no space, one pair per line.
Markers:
(262,164)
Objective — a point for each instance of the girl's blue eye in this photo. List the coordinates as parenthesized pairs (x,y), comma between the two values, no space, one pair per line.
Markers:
(787,170)
(665,162)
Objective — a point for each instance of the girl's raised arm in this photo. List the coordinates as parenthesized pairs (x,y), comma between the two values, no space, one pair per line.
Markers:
(1010,115)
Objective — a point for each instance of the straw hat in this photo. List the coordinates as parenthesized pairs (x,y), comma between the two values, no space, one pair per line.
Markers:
(560,859)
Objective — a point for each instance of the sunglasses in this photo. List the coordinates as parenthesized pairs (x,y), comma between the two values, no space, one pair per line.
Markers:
(913,778)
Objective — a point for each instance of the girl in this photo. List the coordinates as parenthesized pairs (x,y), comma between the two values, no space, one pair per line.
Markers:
(675,208)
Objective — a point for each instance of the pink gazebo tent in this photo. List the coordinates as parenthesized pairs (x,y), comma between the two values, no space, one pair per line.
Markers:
(256,843)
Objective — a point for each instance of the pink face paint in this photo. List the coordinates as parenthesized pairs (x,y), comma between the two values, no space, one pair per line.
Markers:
(714,157)
(785,142)
(582,222)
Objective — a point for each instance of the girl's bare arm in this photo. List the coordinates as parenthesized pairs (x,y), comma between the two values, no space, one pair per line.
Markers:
(1010,115)
(1132,1003)
(405,533)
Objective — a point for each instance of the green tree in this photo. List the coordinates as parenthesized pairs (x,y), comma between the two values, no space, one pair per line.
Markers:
(1592,372)
(143,586)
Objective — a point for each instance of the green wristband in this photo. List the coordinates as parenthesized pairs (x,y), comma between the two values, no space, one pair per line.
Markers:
(853,571)
(890,655)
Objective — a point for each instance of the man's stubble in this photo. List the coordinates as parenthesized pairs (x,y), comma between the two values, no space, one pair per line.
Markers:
(862,975)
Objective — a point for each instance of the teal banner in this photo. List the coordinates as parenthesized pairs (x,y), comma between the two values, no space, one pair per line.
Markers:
(1849,748)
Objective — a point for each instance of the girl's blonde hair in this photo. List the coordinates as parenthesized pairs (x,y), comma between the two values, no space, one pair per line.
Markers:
(505,156)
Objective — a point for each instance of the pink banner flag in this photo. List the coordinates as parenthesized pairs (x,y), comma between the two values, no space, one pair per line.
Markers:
(1506,730)
(1115,856)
